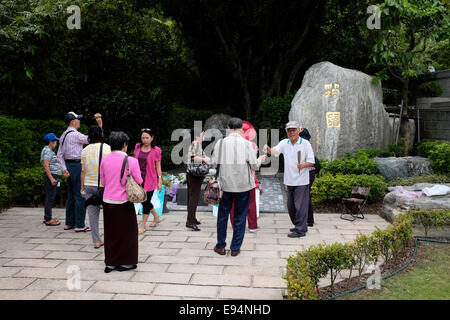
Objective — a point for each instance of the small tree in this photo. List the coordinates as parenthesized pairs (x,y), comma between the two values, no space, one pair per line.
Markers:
(408,30)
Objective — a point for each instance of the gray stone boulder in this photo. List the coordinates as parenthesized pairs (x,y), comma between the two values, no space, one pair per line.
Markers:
(217,121)
(394,205)
(342,110)
(403,167)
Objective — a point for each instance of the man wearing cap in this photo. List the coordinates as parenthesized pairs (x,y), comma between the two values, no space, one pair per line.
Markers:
(298,157)
(69,156)
(51,176)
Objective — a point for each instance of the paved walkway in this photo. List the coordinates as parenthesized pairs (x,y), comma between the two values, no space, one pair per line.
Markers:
(39,262)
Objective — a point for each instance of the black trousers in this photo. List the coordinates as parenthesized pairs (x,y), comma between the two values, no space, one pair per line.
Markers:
(194,186)
(50,195)
(147,206)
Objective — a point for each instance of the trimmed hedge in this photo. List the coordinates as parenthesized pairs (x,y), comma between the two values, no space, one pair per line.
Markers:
(358,164)
(439,154)
(329,188)
(305,269)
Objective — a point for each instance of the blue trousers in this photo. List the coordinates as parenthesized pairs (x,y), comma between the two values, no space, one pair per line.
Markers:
(75,210)
(241,203)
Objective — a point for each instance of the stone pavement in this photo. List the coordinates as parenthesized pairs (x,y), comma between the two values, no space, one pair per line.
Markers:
(40,262)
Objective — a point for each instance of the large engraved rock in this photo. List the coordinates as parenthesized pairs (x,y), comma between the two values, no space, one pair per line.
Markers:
(343,111)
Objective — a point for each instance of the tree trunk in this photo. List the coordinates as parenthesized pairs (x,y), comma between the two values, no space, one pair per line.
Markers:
(404,123)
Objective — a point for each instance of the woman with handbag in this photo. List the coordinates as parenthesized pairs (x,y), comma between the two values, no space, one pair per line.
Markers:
(197,168)
(120,223)
(149,157)
(91,189)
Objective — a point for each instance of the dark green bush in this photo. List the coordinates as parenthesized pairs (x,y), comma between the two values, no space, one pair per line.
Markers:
(432,178)
(305,269)
(360,163)
(329,188)
(275,112)
(440,158)
(16,145)
(5,192)
(426,147)
(372,153)
(27,187)
(431,89)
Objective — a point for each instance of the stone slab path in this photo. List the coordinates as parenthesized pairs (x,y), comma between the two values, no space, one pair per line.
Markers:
(41,262)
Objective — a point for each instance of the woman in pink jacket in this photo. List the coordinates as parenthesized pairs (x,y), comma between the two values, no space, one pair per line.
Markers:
(119,216)
(149,158)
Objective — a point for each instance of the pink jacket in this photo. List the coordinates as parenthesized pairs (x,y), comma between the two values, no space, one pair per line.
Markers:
(151,175)
(110,175)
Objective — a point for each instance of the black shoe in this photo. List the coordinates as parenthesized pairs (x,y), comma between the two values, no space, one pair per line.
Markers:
(193,226)
(310,224)
(122,268)
(197,222)
(296,235)
(108,270)
(292,229)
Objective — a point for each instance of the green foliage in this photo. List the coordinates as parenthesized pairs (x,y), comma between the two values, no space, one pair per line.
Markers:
(5,192)
(329,188)
(440,158)
(431,89)
(305,269)
(432,178)
(166,160)
(275,112)
(360,163)
(372,153)
(16,151)
(425,148)
(183,118)
(28,186)
(439,154)
(430,218)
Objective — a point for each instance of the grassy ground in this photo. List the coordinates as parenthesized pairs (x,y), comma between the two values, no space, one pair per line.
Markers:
(428,279)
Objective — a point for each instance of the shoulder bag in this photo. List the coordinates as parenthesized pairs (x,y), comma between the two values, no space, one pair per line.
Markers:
(135,193)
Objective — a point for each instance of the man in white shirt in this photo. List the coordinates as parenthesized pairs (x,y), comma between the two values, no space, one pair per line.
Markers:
(298,157)
(237,158)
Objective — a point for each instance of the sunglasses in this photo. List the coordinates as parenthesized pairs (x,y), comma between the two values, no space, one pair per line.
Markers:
(146,129)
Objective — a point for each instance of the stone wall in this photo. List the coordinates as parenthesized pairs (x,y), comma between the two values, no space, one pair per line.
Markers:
(435,123)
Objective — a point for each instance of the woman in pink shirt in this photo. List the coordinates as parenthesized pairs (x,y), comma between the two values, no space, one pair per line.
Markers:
(149,157)
(119,216)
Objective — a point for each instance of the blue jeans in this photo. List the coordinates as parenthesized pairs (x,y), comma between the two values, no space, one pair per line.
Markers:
(75,210)
(241,203)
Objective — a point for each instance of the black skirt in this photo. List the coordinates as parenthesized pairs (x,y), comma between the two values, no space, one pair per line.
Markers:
(120,234)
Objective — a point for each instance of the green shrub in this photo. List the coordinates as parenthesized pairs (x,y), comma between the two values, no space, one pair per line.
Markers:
(440,158)
(426,147)
(431,89)
(16,145)
(372,153)
(360,163)
(275,112)
(305,269)
(329,188)
(182,118)
(432,178)
(5,192)
(430,218)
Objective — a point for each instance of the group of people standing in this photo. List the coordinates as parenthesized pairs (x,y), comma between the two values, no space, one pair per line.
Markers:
(97,174)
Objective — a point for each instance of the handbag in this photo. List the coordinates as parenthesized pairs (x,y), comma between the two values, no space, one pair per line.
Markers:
(198,169)
(97,198)
(135,193)
(213,191)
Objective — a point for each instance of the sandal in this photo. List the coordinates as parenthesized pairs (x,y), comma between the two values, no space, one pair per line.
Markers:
(52,222)
(85,229)
(154,223)
(98,244)
(141,230)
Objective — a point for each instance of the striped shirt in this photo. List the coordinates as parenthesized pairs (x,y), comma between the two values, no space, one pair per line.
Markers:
(72,146)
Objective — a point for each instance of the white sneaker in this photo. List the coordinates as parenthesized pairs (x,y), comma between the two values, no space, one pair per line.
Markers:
(253,230)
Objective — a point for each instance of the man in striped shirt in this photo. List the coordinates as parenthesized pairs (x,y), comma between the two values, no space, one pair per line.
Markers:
(69,156)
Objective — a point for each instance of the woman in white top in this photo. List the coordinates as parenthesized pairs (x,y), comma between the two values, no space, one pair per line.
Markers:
(90,165)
